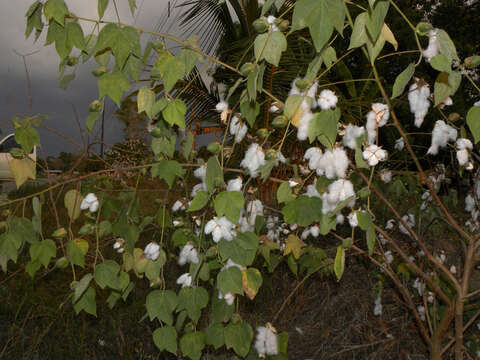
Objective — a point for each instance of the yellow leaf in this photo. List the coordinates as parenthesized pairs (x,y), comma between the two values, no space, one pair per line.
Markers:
(296,117)
(294,246)
(388,36)
(22,169)
(72,201)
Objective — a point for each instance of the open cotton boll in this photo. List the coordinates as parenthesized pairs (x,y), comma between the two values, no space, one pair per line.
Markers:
(178,205)
(254,208)
(410,220)
(185,280)
(312,93)
(238,129)
(386,176)
(312,191)
(152,251)
(433,48)
(419,285)
(294,90)
(352,219)
(199,187)
(119,245)
(188,254)
(377,309)
(337,192)
(399,144)
(477,103)
(469,203)
(235,184)
(90,202)
(313,155)
(373,154)
(221,106)
(352,132)
(462,157)
(463,143)
(418,100)
(376,118)
(441,135)
(332,164)
(201,172)
(304,124)
(220,228)
(327,99)
(266,341)
(447,102)
(254,158)
(388,256)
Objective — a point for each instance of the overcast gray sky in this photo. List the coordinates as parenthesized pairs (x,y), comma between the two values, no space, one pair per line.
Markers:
(48,97)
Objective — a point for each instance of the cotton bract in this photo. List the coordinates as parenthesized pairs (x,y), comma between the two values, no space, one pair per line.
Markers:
(90,202)
(418,100)
(254,158)
(266,342)
(441,135)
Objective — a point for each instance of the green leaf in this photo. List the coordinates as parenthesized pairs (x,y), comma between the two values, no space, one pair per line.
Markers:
(284,193)
(239,337)
(170,68)
(91,119)
(145,100)
(214,176)
(55,9)
(168,170)
(122,41)
(339,264)
(242,249)
(359,32)
(81,286)
(106,274)
(230,281)
(220,310)
(473,122)
(102,5)
(133,5)
(27,137)
(371,238)
(446,46)
(192,344)
(193,300)
(199,201)
(358,155)
(446,85)
(269,46)
(292,105)
(252,281)
(65,80)
(440,62)
(9,245)
(214,335)
(375,19)
(303,210)
(374,49)
(230,204)
(324,126)
(250,110)
(75,35)
(402,80)
(76,251)
(175,112)
(188,57)
(161,304)
(87,303)
(113,85)
(72,202)
(165,338)
(34,19)
(43,251)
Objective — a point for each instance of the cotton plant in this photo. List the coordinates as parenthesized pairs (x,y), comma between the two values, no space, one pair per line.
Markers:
(253,160)
(238,129)
(441,135)
(220,228)
(90,202)
(266,341)
(376,118)
(418,95)
(188,254)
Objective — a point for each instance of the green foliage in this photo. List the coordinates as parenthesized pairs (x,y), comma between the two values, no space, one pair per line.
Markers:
(229,203)
(114,85)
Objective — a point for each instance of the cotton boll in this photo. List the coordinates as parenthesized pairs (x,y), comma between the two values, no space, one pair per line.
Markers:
(433,48)
(185,280)
(352,219)
(352,132)
(220,228)
(463,143)
(178,205)
(152,251)
(235,184)
(410,220)
(254,158)
(266,341)
(119,245)
(90,202)
(417,284)
(294,90)
(371,127)
(338,191)
(201,172)
(313,155)
(418,99)
(373,154)
(312,191)
(447,102)
(221,106)
(477,103)
(311,93)
(441,135)
(238,129)
(198,187)
(333,164)
(327,99)
(304,124)
(254,208)
(386,176)
(469,203)
(229,298)
(388,256)
(188,254)
(421,312)
(381,112)
(390,224)
(462,157)
(399,144)
(377,310)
